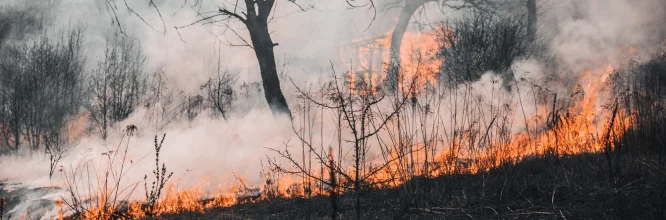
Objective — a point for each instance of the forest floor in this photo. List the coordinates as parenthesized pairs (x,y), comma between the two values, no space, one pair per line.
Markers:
(571,187)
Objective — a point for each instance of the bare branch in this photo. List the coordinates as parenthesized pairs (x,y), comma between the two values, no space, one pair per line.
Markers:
(142,19)
(200,20)
(231,14)
(159,14)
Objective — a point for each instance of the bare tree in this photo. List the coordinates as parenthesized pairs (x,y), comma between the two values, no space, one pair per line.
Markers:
(255,16)
(161,100)
(360,113)
(219,93)
(408,8)
(11,99)
(15,25)
(117,84)
(40,90)
(256,19)
(191,106)
(62,95)
(55,147)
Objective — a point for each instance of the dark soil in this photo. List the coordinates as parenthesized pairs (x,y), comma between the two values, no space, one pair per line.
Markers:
(572,187)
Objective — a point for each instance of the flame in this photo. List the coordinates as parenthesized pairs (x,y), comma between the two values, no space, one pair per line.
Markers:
(77,126)
(584,125)
(102,209)
(419,62)
(585,128)
(59,205)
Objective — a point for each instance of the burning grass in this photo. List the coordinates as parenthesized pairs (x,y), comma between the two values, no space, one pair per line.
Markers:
(423,142)
(576,188)
(585,126)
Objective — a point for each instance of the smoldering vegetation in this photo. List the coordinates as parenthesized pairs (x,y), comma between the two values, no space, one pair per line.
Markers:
(498,112)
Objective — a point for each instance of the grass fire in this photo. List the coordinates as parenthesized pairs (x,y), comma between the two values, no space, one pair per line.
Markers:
(301,109)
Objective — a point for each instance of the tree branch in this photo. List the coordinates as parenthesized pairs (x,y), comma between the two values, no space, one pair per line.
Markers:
(231,14)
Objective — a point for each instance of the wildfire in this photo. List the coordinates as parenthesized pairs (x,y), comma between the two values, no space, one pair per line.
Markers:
(419,62)
(588,123)
(77,126)
(59,205)
(587,127)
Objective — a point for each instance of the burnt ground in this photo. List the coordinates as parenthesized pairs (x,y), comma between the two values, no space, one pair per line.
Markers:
(573,187)
(23,202)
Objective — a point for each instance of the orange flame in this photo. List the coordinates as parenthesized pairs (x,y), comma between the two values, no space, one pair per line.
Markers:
(419,62)
(77,126)
(59,205)
(586,127)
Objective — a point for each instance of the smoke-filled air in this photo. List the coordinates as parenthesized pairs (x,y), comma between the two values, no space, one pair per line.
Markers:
(335,109)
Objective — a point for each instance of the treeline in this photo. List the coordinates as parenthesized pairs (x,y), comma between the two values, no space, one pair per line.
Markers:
(46,83)
(40,90)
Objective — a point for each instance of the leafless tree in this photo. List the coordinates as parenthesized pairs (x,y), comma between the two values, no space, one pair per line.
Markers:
(55,146)
(408,9)
(161,100)
(13,108)
(255,16)
(117,84)
(360,114)
(41,89)
(219,93)
(191,106)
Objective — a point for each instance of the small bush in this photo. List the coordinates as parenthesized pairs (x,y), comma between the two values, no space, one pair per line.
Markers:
(479,43)
(161,177)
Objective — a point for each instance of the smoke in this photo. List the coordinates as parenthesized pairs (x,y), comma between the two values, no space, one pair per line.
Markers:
(207,148)
(580,35)
(20,20)
(591,31)
(588,35)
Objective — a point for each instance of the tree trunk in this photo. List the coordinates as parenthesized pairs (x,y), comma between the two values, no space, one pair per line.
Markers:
(257,25)
(396,41)
(256,20)
(17,137)
(263,48)
(531,20)
(357,183)
(17,120)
